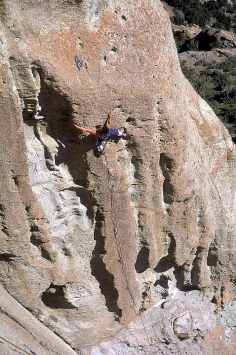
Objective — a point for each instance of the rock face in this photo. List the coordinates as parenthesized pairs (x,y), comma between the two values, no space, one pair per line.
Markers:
(89,243)
(178,327)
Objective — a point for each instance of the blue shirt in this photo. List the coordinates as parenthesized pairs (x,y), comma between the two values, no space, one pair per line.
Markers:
(113,133)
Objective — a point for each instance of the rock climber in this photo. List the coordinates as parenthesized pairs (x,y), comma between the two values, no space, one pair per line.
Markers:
(104,133)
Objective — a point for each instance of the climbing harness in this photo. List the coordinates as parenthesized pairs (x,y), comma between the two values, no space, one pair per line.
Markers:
(100,145)
(113,134)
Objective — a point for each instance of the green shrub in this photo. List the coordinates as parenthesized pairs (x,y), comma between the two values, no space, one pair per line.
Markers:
(220,13)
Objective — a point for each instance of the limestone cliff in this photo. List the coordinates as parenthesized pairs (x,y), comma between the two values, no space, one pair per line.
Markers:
(92,245)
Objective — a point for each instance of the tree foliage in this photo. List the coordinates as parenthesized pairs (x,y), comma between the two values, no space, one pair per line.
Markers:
(216,83)
(217,13)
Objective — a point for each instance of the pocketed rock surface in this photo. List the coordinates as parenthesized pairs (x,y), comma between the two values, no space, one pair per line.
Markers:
(139,238)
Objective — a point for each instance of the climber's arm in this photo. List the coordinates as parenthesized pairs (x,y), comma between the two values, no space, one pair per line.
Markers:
(86,130)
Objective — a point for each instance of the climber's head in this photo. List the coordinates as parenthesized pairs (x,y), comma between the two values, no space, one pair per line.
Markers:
(101,129)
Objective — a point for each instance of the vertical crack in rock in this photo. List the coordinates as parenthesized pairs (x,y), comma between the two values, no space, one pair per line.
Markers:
(167,166)
(167,261)
(136,190)
(212,258)
(142,262)
(196,269)
(3,223)
(99,271)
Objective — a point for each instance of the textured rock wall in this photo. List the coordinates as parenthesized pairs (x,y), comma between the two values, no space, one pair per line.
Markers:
(88,243)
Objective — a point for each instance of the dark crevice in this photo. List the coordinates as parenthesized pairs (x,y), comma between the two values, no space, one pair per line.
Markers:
(45,254)
(136,161)
(36,238)
(182,273)
(114,49)
(212,257)
(86,199)
(142,262)
(58,111)
(7,257)
(66,251)
(99,271)
(55,297)
(145,300)
(167,261)
(131,120)
(167,166)
(204,41)
(163,282)
(37,242)
(3,223)
(164,287)
(196,268)
(15,178)
(183,278)
(168,191)
(214,300)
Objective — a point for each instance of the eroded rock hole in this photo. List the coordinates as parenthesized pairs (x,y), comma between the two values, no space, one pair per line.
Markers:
(131,120)
(55,297)
(114,49)
(99,271)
